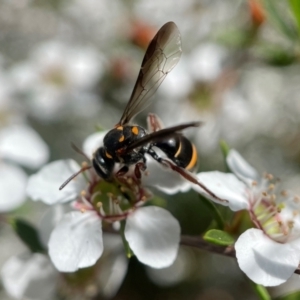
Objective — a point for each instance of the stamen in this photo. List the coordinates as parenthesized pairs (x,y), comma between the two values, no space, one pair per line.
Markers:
(284,193)
(264,217)
(95,195)
(254,183)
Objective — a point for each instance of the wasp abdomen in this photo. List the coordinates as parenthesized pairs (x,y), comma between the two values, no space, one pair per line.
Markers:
(180,150)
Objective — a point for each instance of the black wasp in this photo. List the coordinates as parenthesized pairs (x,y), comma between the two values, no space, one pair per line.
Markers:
(127,144)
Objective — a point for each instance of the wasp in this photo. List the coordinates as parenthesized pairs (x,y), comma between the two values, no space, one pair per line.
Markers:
(126,143)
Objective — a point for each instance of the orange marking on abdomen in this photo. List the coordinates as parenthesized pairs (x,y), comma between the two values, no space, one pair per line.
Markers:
(193,160)
(179,150)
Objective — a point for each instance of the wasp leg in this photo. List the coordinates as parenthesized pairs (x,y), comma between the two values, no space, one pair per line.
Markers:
(140,166)
(187,175)
(122,171)
(154,123)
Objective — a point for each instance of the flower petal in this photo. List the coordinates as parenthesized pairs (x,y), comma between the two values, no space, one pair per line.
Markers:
(29,276)
(263,260)
(44,185)
(23,145)
(174,274)
(225,186)
(241,168)
(153,234)
(164,179)
(76,242)
(112,266)
(50,219)
(93,142)
(12,187)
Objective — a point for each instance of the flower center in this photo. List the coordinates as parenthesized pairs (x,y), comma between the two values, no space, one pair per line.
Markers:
(271,212)
(112,200)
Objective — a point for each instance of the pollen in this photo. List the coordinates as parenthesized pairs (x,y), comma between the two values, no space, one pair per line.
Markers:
(83,210)
(271,187)
(264,194)
(83,193)
(144,198)
(254,183)
(122,138)
(269,176)
(290,224)
(296,199)
(84,164)
(129,181)
(284,193)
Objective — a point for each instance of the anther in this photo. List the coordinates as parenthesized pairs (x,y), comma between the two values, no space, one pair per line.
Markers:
(284,193)
(254,183)
(83,210)
(271,187)
(84,164)
(83,193)
(99,204)
(290,224)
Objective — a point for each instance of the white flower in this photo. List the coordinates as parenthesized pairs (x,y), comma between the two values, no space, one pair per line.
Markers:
(33,276)
(76,242)
(269,254)
(29,276)
(57,80)
(22,145)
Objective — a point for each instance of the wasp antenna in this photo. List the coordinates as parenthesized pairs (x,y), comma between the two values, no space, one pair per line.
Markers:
(73,176)
(78,150)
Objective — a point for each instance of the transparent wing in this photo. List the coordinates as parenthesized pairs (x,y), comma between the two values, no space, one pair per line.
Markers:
(162,55)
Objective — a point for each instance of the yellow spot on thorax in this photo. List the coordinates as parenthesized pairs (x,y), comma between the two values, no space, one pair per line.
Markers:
(135,130)
(108,155)
(122,138)
(119,128)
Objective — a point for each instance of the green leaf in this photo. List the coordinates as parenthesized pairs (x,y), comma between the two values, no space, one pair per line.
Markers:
(28,234)
(276,18)
(214,211)
(295,7)
(128,251)
(218,237)
(276,55)
(261,292)
(157,201)
(293,296)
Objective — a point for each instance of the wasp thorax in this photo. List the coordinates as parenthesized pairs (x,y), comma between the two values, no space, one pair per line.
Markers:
(122,136)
